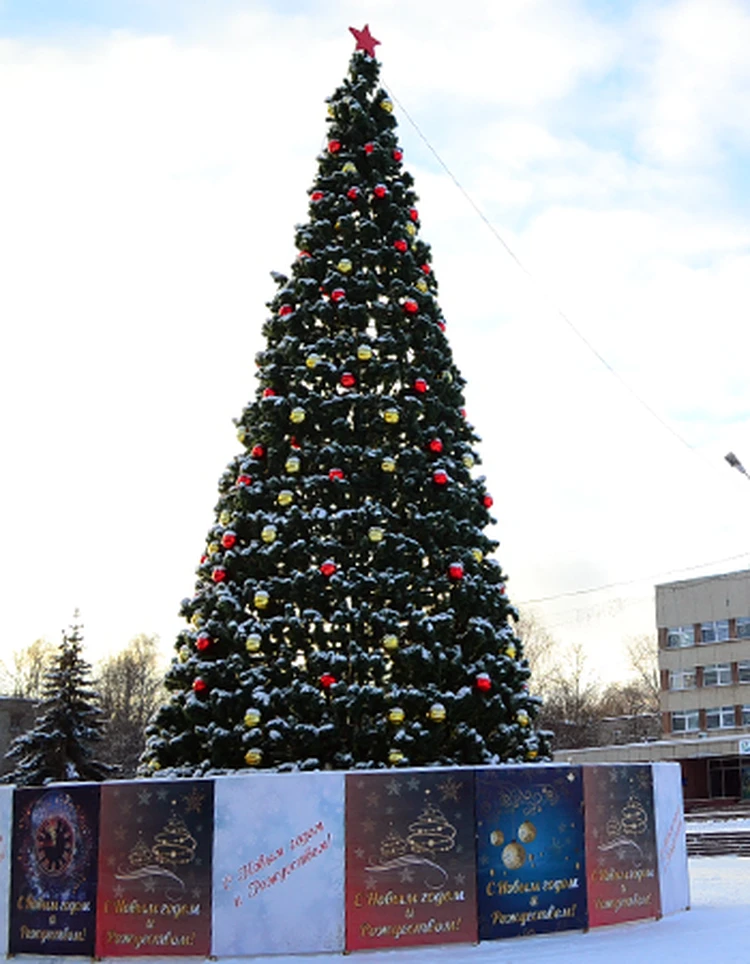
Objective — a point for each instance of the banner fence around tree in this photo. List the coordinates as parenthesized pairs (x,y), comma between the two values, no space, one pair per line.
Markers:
(54,871)
(6,824)
(674,882)
(279,864)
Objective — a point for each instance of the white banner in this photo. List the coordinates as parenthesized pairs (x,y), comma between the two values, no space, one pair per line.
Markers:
(6,822)
(278,864)
(671,848)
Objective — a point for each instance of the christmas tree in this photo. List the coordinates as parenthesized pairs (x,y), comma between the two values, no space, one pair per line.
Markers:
(348,611)
(60,744)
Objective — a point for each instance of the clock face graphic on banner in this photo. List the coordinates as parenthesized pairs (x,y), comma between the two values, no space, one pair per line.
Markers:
(54,845)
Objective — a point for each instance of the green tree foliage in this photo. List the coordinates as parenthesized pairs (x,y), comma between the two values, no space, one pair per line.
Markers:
(68,724)
(348,611)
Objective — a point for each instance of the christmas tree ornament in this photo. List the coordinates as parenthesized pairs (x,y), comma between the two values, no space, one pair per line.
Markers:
(440,477)
(435,445)
(244,480)
(183,654)
(387,105)
(303,254)
(334,146)
(437,713)
(196,620)
(420,386)
(347,380)
(369,147)
(344,266)
(285,497)
(390,642)
(293,442)
(316,196)
(398,155)
(396,715)
(353,193)
(483,683)
(203,643)
(522,718)
(269,393)
(456,571)
(252,718)
(258,451)
(400,245)
(268,533)
(414,214)
(375,534)
(441,325)
(531,755)
(488,502)
(292,464)
(219,574)
(225,517)
(349,168)
(364,352)
(228,540)
(203,558)
(510,651)
(410,306)
(213,548)
(478,554)
(154,765)
(426,268)
(335,474)
(327,680)
(328,568)
(447,377)
(297,416)
(253,758)
(468,460)
(331,110)
(395,757)
(200,686)
(285,311)
(391,416)
(312,360)
(380,191)
(411,231)
(338,294)
(261,599)
(365,40)
(388,464)
(252,643)
(241,433)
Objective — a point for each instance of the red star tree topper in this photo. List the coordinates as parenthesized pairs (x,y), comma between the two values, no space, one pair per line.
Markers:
(365,40)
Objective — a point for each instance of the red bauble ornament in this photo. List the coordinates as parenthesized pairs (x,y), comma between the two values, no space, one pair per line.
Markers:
(369,147)
(328,568)
(338,294)
(202,643)
(435,445)
(426,268)
(203,558)
(268,393)
(199,685)
(353,193)
(335,474)
(488,501)
(420,385)
(285,311)
(316,196)
(398,155)
(294,443)
(228,540)
(348,380)
(365,40)
(244,480)
(441,325)
(483,683)
(462,412)
(219,574)
(456,570)
(414,214)
(400,245)
(440,477)
(327,680)
(334,146)
(258,451)
(304,254)
(380,190)
(410,306)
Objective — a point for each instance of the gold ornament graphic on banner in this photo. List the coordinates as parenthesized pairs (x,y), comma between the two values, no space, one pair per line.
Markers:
(497,838)
(513,856)
(431,832)
(174,844)
(393,845)
(634,819)
(527,832)
(141,855)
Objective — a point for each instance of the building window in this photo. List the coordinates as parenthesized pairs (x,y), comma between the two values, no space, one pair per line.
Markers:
(743,671)
(715,631)
(717,674)
(746,715)
(682,679)
(680,636)
(685,721)
(720,718)
(743,627)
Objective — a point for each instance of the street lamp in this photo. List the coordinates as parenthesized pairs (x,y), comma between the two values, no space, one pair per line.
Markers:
(736,464)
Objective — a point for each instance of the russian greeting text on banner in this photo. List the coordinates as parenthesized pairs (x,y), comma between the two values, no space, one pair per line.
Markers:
(410,858)
(622,878)
(530,860)
(671,846)
(155,869)
(279,845)
(53,874)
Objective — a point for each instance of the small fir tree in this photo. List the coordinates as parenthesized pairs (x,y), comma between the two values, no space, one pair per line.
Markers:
(348,611)
(59,747)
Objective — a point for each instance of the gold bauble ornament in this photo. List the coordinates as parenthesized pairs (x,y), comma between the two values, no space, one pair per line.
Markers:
(437,713)
(497,838)
(183,654)
(344,266)
(634,819)
(196,619)
(513,856)
(387,105)
(510,652)
(478,554)
(349,168)
(253,757)
(331,110)
(411,231)
(312,360)
(285,497)
(522,717)
(261,599)
(241,433)
(364,353)
(395,756)
(391,416)
(390,642)
(268,533)
(252,718)
(388,464)
(292,464)
(154,765)
(421,285)
(531,755)
(396,715)
(225,517)
(213,547)
(468,461)
(527,832)
(447,377)
(252,644)
(337,226)
(297,416)
(375,534)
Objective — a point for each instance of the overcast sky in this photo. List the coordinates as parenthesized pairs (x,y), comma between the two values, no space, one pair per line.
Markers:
(154,158)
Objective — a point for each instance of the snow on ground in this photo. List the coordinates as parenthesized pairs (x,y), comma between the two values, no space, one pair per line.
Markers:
(718,826)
